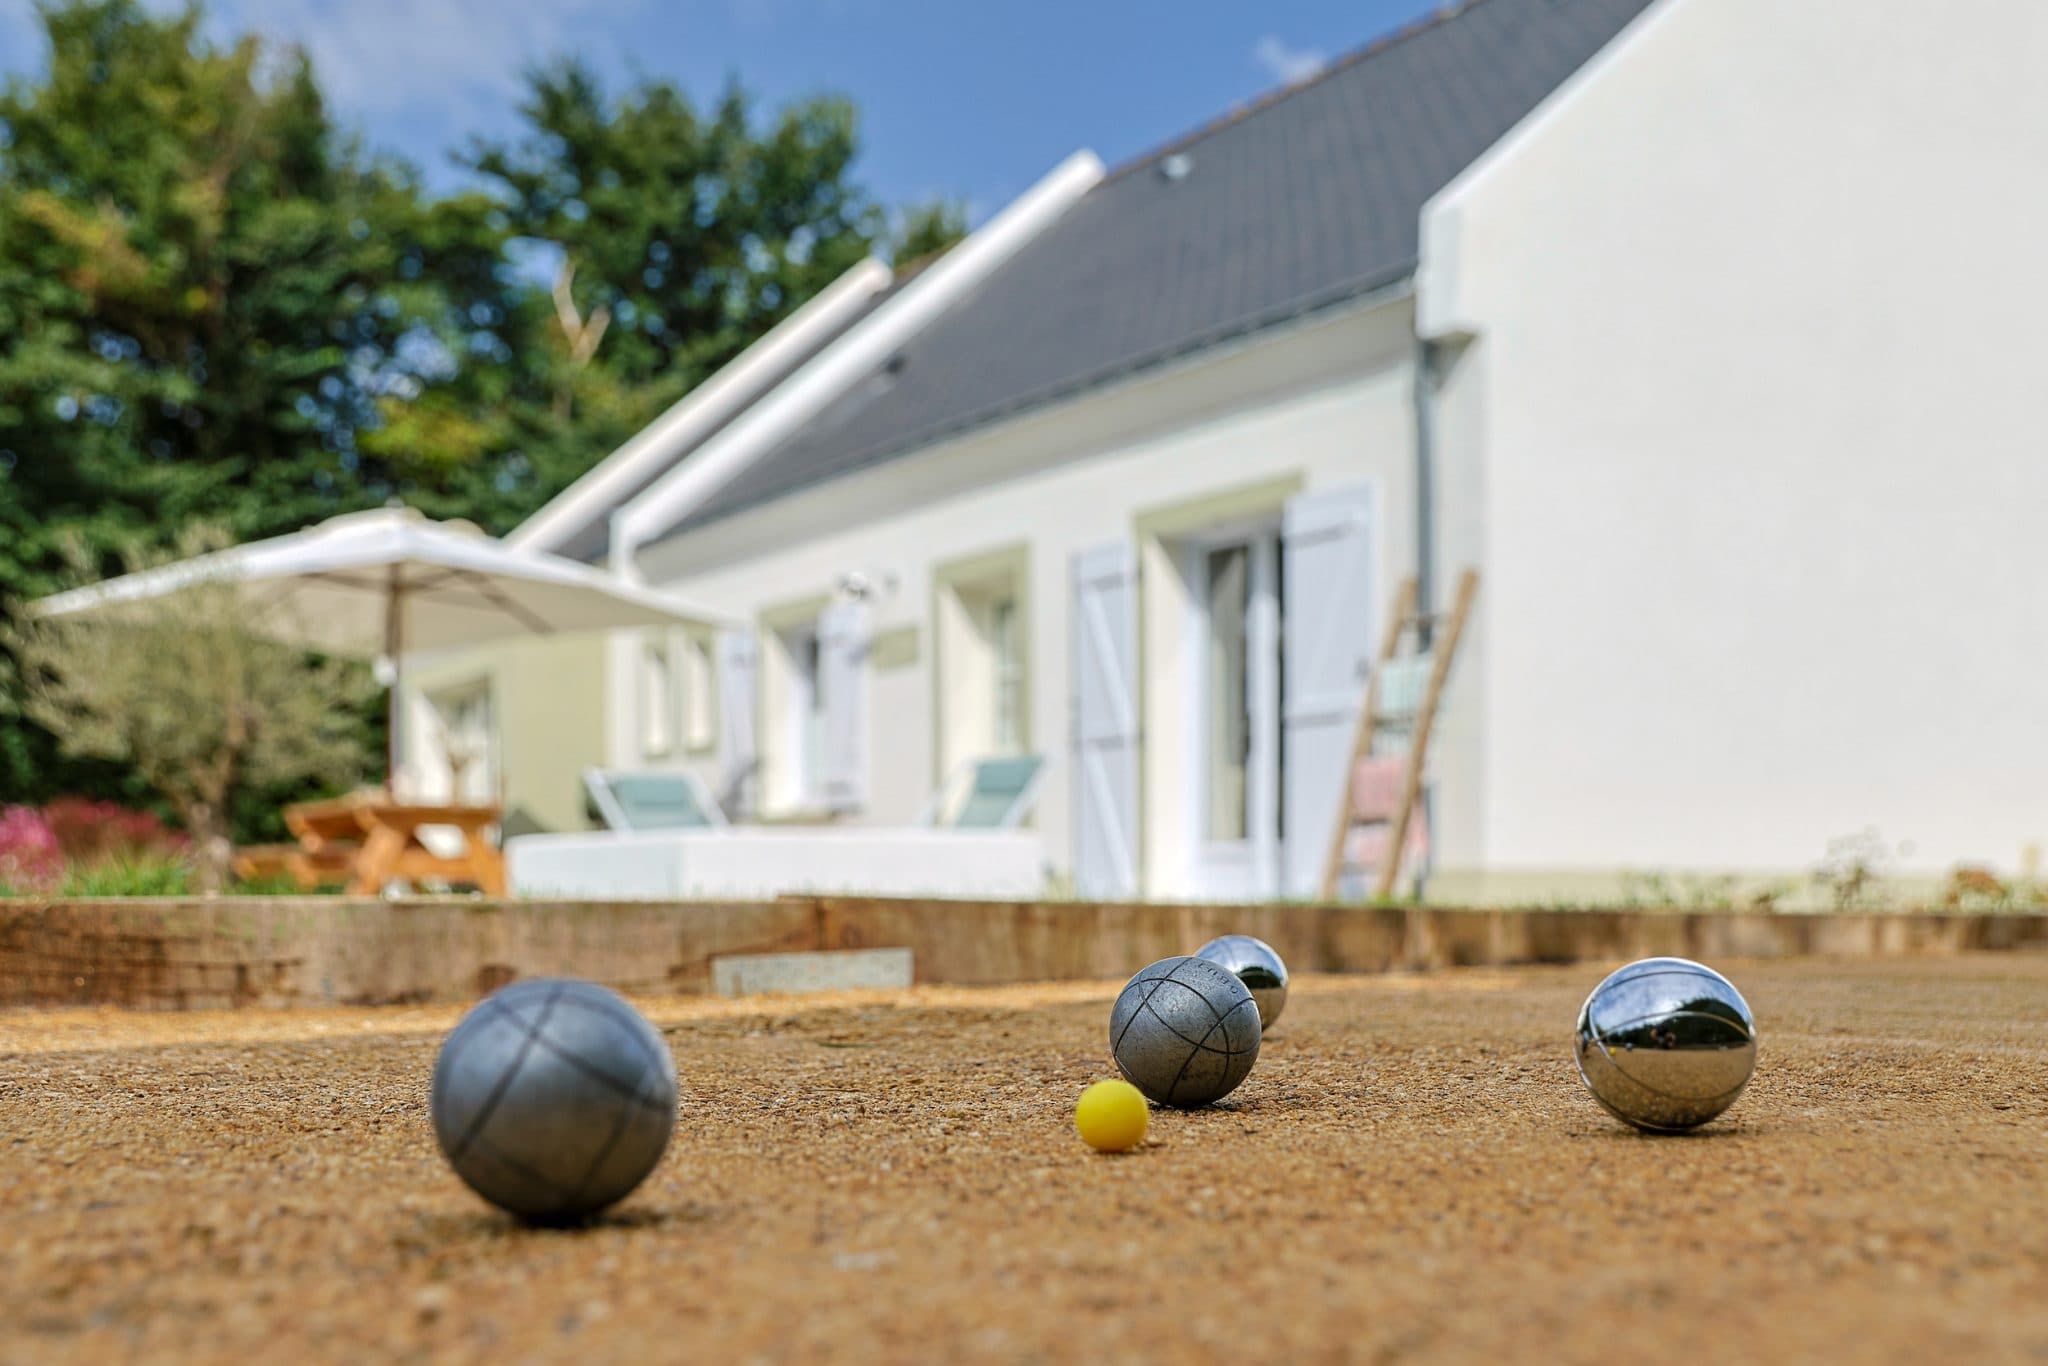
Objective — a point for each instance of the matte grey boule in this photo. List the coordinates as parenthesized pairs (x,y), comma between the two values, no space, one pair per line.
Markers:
(1257,966)
(1666,1044)
(553,1099)
(1185,1032)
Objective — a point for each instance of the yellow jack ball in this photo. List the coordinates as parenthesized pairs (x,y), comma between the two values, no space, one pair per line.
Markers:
(1111,1116)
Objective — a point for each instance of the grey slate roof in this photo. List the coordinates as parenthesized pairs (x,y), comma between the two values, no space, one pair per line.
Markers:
(1307,199)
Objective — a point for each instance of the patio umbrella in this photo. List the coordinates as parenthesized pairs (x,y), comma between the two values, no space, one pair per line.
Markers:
(388,581)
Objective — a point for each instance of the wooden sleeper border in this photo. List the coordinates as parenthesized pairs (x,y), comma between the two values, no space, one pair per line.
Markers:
(195,953)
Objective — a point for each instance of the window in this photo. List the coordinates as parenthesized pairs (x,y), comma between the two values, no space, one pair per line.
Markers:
(799,736)
(700,717)
(1008,662)
(813,719)
(981,674)
(467,733)
(657,699)
(814,709)
(1229,721)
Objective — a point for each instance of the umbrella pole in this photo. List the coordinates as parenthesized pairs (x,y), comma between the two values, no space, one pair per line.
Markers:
(394,650)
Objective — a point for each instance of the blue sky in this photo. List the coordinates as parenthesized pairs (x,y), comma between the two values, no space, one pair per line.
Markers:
(972,100)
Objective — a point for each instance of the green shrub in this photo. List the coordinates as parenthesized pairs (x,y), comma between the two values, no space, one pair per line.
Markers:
(281,885)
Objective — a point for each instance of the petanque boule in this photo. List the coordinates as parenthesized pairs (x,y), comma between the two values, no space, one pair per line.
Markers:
(553,1099)
(1257,966)
(1666,1044)
(1185,1032)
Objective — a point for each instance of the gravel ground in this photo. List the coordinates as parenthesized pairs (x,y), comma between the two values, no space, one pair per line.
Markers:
(1411,1172)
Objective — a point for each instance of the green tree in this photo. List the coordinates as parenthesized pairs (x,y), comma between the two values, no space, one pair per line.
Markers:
(209,299)
(924,230)
(207,294)
(672,237)
(199,704)
(215,306)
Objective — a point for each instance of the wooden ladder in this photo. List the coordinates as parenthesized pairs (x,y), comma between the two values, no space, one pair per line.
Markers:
(1405,624)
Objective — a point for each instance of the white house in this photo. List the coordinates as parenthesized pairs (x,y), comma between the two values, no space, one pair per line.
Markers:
(1706,329)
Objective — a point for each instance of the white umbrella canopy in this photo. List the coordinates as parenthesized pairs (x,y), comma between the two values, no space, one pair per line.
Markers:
(391,580)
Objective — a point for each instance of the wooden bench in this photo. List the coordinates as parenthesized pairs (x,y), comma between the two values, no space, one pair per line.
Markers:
(370,841)
(307,868)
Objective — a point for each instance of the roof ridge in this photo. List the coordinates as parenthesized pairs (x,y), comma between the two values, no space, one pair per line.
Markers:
(1373,47)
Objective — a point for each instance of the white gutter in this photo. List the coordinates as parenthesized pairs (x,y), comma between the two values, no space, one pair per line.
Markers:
(703,410)
(848,360)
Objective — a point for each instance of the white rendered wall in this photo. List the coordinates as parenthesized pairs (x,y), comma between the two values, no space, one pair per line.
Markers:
(1326,403)
(1753,425)
(548,702)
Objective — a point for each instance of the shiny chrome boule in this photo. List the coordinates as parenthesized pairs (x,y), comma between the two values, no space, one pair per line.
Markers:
(1257,966)
(1666,1044)
(553,1098)
(1185,1032)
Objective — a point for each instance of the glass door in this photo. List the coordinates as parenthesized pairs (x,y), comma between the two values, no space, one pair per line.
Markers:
(1238,815)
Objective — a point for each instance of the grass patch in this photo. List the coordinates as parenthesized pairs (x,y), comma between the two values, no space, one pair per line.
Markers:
(131,874)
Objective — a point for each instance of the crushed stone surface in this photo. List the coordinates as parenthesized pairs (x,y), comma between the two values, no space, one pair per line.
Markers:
(1412,1172)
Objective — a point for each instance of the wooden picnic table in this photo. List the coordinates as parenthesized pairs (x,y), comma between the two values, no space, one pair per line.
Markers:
(373,841)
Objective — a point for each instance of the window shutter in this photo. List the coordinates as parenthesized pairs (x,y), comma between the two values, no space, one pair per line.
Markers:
(1105,772)
(657,696)
(1332,604)
(739,751)
(843,640)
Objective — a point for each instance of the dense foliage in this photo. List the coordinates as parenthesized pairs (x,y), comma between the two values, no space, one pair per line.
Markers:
(201,705)
(215,305)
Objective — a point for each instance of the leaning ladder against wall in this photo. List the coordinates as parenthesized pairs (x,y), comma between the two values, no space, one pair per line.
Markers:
(1402,694)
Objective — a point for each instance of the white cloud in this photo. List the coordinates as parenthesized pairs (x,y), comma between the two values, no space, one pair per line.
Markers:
(1287,64)
(456,61)
(453,58)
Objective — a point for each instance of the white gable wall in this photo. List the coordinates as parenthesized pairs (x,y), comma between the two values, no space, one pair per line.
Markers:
(1748,438)
(1322,404)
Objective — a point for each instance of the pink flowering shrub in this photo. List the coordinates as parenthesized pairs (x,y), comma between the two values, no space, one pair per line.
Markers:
(42,850)
(89,831)
(31,860)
